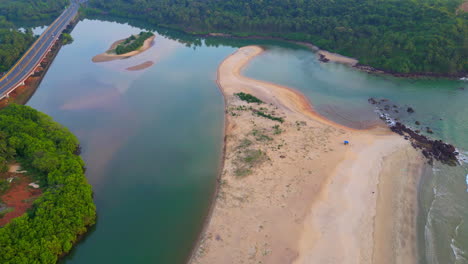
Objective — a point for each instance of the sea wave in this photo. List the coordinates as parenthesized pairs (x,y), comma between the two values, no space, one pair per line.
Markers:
(460,255)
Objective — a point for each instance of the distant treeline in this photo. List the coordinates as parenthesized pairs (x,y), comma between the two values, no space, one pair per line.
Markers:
(418,36)
(65,210)
(13,42)
(133,43)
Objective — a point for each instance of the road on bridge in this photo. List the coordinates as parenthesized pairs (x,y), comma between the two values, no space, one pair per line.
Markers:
(36,53)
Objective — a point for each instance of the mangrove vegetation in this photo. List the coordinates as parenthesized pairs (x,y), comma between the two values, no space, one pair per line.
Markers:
(65,210)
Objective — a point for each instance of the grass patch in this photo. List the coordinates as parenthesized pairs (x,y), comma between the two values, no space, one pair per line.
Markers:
(248,160)
(260,136)
(245,143)
(253,156)
(277,130)
(248,98)
(265,115)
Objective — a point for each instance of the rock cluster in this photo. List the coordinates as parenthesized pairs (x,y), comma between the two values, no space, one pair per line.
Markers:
(431,149)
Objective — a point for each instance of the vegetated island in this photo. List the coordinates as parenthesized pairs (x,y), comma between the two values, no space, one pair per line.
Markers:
(50,187)
(128,47)
(292,192)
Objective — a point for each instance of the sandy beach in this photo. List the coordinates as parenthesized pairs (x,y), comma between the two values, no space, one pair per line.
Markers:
(109,56)
(291,192)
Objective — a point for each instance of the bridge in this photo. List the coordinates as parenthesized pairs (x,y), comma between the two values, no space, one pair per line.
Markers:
(33,57)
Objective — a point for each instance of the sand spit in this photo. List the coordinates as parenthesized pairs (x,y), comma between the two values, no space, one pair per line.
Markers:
(109,56)
(291,192)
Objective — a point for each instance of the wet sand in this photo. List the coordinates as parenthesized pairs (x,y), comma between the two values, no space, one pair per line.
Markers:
(109,56)
(291,192)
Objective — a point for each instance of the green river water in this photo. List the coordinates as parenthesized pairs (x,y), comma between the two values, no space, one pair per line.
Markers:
(152,139)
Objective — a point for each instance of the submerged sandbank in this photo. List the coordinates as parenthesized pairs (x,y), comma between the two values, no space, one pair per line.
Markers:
(141,66)
(110,56)
(290,189)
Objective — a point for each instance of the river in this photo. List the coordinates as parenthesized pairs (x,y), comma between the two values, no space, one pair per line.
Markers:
(152,139)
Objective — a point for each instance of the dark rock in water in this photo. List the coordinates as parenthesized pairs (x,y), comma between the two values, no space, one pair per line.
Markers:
(428,130)
(387,107)
(410,110)
(394,106)
(372,100)
(396,111)
(431,149)
(461,88)
(417,131)
(322,58)
(417,123)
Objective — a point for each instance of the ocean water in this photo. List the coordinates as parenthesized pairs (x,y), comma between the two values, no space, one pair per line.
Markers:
(152,139)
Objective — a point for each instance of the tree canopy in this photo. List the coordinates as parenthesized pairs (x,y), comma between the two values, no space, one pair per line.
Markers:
(66,209)
(395,35)
(133,43)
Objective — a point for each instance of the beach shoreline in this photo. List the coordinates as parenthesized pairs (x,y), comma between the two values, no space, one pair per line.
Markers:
(271,214)
(107,56)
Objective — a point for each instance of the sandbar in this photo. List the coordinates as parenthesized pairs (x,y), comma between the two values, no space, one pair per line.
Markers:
(141,66)
(292,192)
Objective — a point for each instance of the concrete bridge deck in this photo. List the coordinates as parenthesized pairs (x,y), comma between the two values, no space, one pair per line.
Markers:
(31,60)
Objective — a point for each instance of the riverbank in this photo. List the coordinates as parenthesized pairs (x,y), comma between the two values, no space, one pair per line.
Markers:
(327,56)
(289,187)
(110,55)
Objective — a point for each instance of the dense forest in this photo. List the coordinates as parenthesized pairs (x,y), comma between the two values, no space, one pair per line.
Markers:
(13,42)
(65,210)
(417,36)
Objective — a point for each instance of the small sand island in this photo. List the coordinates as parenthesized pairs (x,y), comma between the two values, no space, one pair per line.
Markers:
(126,48)
(290,191)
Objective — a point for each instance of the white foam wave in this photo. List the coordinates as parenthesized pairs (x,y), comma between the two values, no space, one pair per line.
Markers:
(462,156)
(385,117)
(467,182)
(464,79)
(457,252)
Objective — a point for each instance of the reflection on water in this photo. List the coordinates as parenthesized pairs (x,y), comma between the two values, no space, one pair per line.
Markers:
(152,138)
(151,141)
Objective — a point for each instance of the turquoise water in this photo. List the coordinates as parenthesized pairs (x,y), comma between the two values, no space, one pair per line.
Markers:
(152,139)
(341,93)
